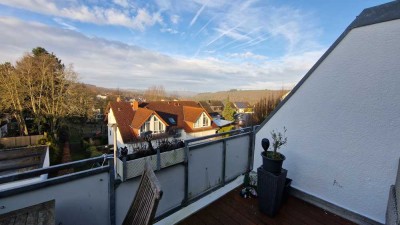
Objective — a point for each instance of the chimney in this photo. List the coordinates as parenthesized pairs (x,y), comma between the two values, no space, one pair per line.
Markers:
(135,105)
(119,98)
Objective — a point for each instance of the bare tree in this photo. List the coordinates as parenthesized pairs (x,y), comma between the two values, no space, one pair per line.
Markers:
(155,93)
(44,88)
(264,107)
(12,96)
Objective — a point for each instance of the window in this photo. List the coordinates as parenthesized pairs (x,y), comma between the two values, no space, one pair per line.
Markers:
(171,120)
(202,121)
(197,124)
(153,124)
(156,125)
(161,127)
(205,120)
(145,127)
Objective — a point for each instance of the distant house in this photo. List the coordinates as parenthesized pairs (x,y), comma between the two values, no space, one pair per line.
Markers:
(18,160)
(132,122)
(243,107)
(180,119)
(101,96)
(213,107)
(187,118)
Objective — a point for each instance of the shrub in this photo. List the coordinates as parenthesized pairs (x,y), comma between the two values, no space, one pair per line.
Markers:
(55,153)
(92,152)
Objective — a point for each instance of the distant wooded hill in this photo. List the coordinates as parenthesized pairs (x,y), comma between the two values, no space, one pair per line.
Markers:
(251,96)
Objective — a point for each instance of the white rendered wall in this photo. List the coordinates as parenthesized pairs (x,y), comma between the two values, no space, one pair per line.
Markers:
(110,133)
(344,123)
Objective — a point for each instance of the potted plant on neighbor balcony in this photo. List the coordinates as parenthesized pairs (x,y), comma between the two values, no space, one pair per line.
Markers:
(273,160)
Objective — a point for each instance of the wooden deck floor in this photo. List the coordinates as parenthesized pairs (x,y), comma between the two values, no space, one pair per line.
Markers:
(232,209)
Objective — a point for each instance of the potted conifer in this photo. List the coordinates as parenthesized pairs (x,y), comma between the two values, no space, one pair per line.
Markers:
(273,160)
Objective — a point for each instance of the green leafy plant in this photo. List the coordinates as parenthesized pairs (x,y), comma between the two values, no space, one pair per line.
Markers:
(279,140)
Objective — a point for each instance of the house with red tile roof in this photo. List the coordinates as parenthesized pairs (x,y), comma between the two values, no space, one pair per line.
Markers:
(132,122)
(180,119)
(187,118)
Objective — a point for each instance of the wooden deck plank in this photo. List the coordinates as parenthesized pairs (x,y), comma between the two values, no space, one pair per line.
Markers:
(207,218)
(233,209)
(243,210)
(221,217)
(230,210)
(195,221)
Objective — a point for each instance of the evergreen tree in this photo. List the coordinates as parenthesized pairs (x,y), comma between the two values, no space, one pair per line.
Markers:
(228,110)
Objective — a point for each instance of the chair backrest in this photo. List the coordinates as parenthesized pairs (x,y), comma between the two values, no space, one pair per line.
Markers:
(144,205)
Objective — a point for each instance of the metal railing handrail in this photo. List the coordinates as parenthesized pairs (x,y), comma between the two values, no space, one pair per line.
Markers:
(38,172)
(242,130)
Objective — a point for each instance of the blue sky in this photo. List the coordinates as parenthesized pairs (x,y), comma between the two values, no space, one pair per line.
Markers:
(199,45)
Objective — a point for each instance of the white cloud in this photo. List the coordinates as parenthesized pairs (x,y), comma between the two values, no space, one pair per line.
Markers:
(144,19)
(123,3)
(169,30)
(136,19)
(114,64)
(174,19)
(247,55)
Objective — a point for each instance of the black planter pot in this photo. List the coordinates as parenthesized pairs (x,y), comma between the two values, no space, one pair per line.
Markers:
(272,165)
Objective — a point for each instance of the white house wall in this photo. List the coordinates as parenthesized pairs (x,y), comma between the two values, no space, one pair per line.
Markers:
(110,133)
(111,120)
(343,123)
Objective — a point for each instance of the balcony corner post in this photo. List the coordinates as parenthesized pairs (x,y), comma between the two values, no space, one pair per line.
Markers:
(186,163)
(111,190)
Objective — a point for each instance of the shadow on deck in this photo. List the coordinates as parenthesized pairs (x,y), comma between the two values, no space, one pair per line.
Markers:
(233,209)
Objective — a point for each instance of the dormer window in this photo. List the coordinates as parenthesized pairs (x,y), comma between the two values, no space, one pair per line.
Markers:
(205,121)
(202,121)
(153,124)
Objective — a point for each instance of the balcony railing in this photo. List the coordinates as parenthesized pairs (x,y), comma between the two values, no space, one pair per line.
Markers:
(94,196)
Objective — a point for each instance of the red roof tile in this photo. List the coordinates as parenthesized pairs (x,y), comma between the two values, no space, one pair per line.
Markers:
(127,119)
(123,114)
(179,112)
(191,114)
